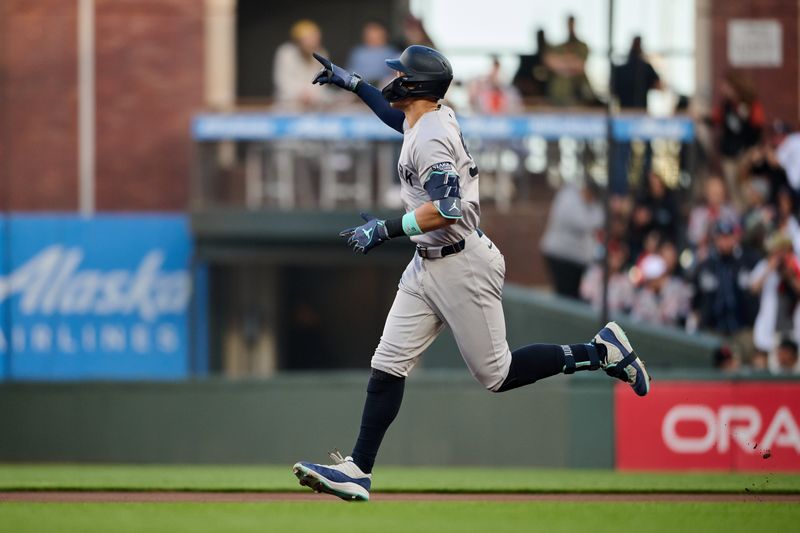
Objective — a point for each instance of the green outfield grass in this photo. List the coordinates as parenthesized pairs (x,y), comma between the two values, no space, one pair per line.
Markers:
(387,479)
(389,517)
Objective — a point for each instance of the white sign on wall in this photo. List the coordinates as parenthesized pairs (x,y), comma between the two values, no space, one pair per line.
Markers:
(755,43)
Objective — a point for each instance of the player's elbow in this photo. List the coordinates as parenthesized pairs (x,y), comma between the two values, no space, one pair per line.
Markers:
(449,210)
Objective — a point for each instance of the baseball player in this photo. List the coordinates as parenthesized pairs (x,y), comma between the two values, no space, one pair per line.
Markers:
(455,278)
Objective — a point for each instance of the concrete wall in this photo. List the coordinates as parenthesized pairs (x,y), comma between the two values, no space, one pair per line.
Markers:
(447,418)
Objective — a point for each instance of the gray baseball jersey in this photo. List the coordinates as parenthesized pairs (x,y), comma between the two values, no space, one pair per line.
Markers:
(435,141)
(462,291)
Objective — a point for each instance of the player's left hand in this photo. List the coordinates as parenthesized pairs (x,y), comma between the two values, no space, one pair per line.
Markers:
(367,236)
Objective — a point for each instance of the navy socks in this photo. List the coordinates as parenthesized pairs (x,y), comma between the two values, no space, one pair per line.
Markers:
(384,396)
(528,365)
(538,361)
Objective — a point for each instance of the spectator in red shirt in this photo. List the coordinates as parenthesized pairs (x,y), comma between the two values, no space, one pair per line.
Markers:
(490,95)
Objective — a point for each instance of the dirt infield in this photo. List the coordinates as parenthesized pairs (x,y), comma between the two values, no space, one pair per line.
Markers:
(265,497)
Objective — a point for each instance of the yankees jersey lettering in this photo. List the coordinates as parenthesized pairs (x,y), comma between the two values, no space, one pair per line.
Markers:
(435,143)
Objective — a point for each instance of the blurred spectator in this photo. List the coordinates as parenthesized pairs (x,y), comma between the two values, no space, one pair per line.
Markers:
(567,61)
(633,80)
(785,210)
(702,218)
(655,209)
(724,360)
(368,58)
(661,299)
(787,357)
(620,287)
(740,118)
(777,280)
(569,240)
(721,290)
(785,220)
(760,361)
(489,95)
(619,209)
(758,216)
(295,67)
(787,146)
(631,83)
(533,75)
(669,252)
(414,33)
(650,245)
(761,161)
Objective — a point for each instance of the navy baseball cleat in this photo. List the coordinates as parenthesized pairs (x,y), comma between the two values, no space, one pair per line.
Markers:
(621,361)
(343,478)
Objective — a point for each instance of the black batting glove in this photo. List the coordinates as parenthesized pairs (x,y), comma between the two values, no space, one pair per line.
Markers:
(335,75)
(367,236)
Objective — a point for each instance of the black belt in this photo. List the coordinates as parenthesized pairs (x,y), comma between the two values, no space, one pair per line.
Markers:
(440,251)
(443,251)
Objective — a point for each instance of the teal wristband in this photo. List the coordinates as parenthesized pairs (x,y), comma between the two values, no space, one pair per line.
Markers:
(410,226)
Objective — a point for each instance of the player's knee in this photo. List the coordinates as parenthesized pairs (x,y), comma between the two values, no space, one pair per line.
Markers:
(390,363)
(496,388)
(490,380)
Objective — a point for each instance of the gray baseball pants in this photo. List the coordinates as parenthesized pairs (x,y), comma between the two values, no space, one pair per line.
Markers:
(462,291)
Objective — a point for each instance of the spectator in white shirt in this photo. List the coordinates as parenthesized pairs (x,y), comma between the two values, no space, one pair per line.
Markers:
(661,299)
(295,67)
(570,239)
(777,280)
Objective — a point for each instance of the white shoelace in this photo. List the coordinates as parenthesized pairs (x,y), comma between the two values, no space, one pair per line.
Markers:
(336,456)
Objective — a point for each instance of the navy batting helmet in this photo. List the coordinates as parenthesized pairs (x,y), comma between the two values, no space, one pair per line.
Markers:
(425,73)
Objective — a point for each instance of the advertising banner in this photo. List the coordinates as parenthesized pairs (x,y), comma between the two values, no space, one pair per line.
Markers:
(105,297)
(709,425)
(250,126)
(5,316)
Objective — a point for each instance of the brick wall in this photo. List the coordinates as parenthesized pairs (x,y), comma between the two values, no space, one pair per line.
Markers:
(38,110)
(149,82)
(777,87)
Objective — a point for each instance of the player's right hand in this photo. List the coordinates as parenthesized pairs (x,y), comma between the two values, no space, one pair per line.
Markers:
(367,236)
(335,75)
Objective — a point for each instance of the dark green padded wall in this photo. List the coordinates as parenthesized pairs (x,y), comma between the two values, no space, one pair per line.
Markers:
(447,419)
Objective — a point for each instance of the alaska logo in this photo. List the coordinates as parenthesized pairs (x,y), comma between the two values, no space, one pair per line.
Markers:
(54,282)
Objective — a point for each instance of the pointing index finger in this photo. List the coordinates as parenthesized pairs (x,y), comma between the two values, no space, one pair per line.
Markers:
(325,61)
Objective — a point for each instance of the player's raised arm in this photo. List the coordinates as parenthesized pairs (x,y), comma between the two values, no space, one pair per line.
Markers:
(350,81)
